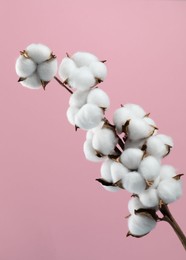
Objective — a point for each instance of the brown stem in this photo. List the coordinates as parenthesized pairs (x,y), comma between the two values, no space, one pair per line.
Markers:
(167,216)
(62,84)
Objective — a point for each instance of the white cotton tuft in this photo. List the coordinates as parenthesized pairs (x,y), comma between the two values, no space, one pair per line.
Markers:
(134,182)
(121,116)
(166,139)
(149,168)
(98,97)
(82,79)
(104,141)
(131,158)
(83,58)
(32,82)
(167,171)
(98,69)
(89,135)
(139,129)
(134,144)
(149,198)
(136,110)
(90,153)
(106,170)
(89,116)
(140,225)
(106,175)
(78,98)
(66,68)
(150,121)
(24,67)
(38,52)
(118,171)
(134,204)
(47,70)
(169,190)
(71,114)
(156,147)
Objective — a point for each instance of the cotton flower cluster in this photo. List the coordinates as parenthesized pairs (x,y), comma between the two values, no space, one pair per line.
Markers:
(82,72)
(130,149)
(36,66)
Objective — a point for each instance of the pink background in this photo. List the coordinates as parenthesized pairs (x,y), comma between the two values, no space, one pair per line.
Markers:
(51,208)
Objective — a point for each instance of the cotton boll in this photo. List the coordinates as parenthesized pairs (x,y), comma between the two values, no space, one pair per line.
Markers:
(149,198)
(150,121)
(89,135)
(71,114)
(98,97)
(32,82)
(78,98)
(167,171)
(131,158)
(106,175)
(135,110)
(89,116)
(47,70)
(134,204)
(121,116)
(66,68)
(118,171)
(140,225)
(156,147)
(134,144)
(104,141)
(83,58)
(82,79)
(169,190)
(139,129)
(134,182)
(106,170)
(98,69)
(149,168)
(24,67)
(90,153)
(166,139)
(38,52)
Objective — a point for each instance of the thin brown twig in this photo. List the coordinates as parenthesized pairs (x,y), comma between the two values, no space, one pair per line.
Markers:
(167,216)
(62,84)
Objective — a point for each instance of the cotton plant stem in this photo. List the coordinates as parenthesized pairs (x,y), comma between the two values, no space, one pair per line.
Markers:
(167,216)
(62,84)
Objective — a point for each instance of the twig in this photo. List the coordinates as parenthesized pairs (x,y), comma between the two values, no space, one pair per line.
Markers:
(167,216)
(62,84)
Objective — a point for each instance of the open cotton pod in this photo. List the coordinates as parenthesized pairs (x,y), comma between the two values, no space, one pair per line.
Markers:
(66,68)
(107,176)
(131,158)
(98,97)
(149,198)
(36,66)
(149,168)
(105,141)
(134,182)
(83,58)
(139,129)
(140,225)
(169,190)
(82,70)
(90,153)
(158,145)
(136,110)
(134,204)
(121,116)
(89,116)
(78,98)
